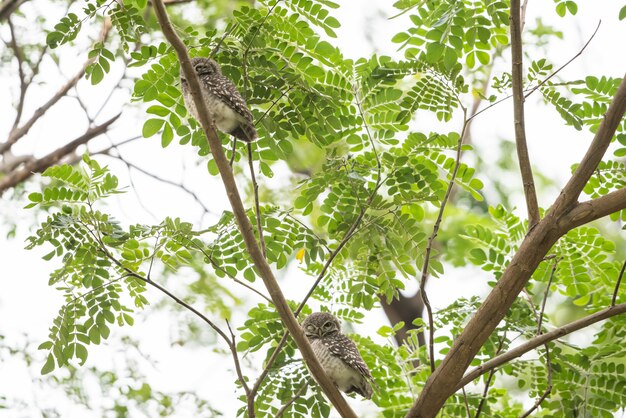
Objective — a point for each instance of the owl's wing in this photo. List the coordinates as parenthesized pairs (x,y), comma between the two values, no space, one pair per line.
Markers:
(344,348)
(226,91)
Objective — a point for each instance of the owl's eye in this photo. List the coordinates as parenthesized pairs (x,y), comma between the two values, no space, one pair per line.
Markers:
(310,328)
(200,68)
(328,325)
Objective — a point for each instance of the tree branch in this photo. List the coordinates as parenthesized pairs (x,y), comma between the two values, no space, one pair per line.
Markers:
(440,385)
(591,210)
(18,133)
(39,165)
(596,151)
(518,112)
(7,7)
(541,340)
(257,206)
(431,240)
(545,80)
(619,280)
(243,222)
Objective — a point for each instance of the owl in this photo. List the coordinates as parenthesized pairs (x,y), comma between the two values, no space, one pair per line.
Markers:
(226,106)
(337,354)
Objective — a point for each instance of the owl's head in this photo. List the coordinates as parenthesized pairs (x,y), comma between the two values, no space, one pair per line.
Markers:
(321,324)
(204,66)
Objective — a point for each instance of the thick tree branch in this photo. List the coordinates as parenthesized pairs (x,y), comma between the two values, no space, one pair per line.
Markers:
(39,165)
(536,244)
(517,74)
(541,340)
(591,210)
(245,227)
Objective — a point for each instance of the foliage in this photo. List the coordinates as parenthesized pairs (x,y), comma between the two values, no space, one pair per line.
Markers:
(360,224)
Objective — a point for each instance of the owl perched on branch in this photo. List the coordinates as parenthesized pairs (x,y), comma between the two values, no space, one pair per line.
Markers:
(226,106)
(338,354)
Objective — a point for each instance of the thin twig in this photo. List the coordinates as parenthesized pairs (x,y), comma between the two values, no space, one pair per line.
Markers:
(257,205)
(619,280)
(286,406)
(517,81)
(272,105)
(539,318)
(229,341)
(39,165)
(233,343)
(467,408)
(545,296)
(523,14)
(20,70)
(223,270)
(544,81)
(181,186)
(431,240)
(18,133)
(489,379)
(546,392)
(531,90)
(540,340)
(217,47)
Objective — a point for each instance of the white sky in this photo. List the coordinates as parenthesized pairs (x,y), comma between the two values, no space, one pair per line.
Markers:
(27,304)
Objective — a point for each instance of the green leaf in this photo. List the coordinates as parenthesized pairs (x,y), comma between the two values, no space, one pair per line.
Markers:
(96,75)
(622,13)
(167,136)
(151,127)
(49,365)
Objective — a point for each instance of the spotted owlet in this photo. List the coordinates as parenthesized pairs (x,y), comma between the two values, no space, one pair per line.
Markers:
(226,106)
(338,354)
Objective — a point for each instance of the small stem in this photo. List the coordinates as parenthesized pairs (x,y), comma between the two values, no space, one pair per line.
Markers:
(619,280)
(257,206)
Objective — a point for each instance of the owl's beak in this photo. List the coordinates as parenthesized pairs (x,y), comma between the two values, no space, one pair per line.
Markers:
(319,332)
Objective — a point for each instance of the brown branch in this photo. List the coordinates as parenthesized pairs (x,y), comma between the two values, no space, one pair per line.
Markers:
(7,7)
(181,186)
(245,227)
(517,75)
(257,206)
(591,210)
(539,341)
(619,280)
(545,80)
(229,341)
(596,151)
(531,90)
(431,240)
(286,406)
(39,165)
(233,347)
(489,379)
(546,392)
(18,133)
(535,246)
(20,70)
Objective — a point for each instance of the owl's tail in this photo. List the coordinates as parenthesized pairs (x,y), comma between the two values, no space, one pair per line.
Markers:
(245,132)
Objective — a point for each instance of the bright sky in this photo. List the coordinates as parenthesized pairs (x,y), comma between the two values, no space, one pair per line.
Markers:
(27,304)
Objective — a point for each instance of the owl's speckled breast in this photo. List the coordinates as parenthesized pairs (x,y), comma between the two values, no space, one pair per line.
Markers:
(225,119)
(344,376)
